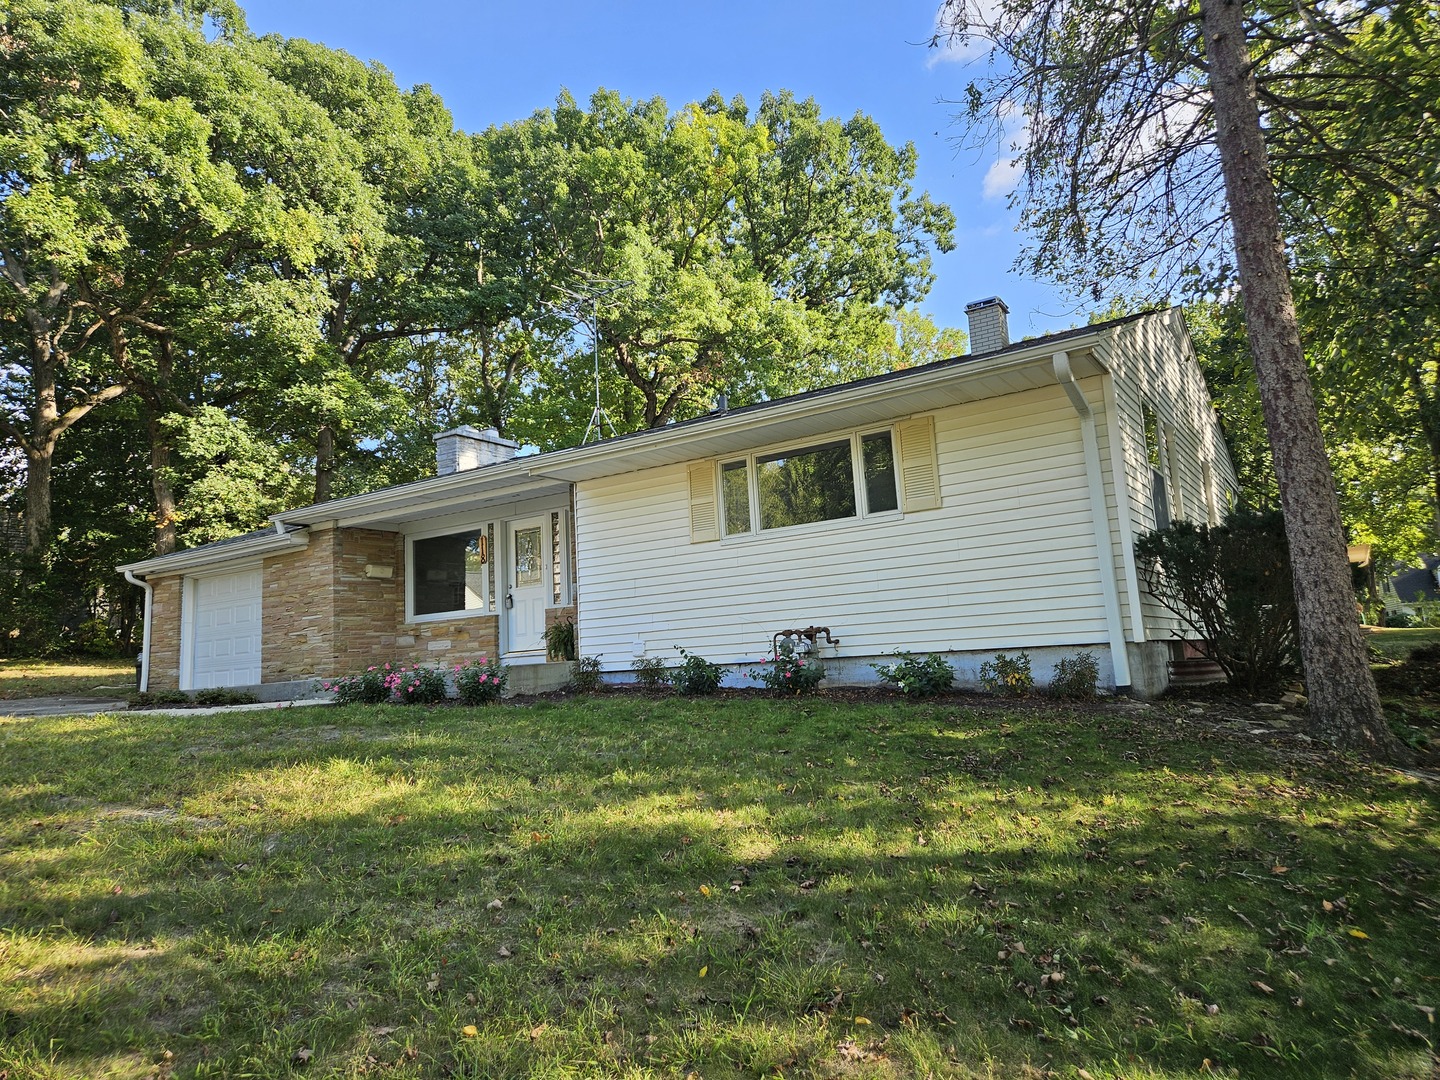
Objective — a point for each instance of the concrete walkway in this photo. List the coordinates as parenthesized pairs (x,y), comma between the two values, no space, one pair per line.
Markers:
(74,705)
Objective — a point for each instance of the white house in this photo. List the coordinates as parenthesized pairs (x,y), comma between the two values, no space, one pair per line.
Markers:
(982,504)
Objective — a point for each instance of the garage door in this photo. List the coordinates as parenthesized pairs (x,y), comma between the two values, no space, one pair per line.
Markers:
(226,648)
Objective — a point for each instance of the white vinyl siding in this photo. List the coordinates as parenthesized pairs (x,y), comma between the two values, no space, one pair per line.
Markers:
(1153,364)
(1006,561)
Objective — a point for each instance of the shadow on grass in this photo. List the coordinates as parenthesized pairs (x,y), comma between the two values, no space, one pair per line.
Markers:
(729,887)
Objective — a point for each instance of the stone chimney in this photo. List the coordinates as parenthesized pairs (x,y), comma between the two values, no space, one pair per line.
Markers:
(465,448)
(989,329)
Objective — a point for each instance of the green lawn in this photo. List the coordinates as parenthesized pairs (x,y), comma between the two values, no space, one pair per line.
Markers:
(29,678)
(1399,643)
(631,887)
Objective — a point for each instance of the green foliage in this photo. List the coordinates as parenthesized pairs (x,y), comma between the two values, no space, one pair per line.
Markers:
(1231,585)
(650,672)
(696,676)
(917,676)
(157,699)
(95,637)
(587,677)
(224,695)
(560,643)
(788,672)
(1008,676)
(1075,677)
(481,682)
(367,688)
(416,685)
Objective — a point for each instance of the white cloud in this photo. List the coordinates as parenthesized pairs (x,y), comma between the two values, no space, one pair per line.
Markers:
(1002,178)
(950,48)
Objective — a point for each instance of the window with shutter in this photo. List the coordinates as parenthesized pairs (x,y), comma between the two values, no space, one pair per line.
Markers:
(919,464)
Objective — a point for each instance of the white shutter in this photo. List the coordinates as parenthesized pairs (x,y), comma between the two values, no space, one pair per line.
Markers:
(704,510)
(919,468)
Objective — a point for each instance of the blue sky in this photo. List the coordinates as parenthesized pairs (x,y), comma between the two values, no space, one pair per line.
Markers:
(496,62)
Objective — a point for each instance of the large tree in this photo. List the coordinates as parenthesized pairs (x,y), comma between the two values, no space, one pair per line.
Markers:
(747,253)
(1144,152)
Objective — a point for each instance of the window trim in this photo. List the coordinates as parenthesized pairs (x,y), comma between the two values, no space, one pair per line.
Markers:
(490,607)
(853,437)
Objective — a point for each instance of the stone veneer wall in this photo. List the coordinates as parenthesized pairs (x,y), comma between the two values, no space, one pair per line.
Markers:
(165,634)
(297,612)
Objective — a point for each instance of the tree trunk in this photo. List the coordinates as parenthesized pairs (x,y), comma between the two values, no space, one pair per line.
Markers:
(324,462)
(160,485)
(1344,706)
(38,460)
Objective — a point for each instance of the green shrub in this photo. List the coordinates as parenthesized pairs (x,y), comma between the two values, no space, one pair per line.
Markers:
(416,685)
(1007,675)
(224,695)
(95,637)
(155,699)
(586,679)
(696,676)
(1230,584)
(481,682)
(368,688)
(1075,677)
(560,641)
(789,673)
(1399,620)
(916,677)
(650,672)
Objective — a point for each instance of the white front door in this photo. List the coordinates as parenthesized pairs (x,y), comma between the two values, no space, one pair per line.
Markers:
(528,572)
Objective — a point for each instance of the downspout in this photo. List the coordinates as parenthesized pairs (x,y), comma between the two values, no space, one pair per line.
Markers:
(1100,521)
(145,638)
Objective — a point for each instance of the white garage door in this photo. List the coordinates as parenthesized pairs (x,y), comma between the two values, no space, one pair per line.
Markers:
(226,649)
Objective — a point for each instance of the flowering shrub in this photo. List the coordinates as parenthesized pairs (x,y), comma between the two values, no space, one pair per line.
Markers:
(787,673)
(481,682)
(1007,675)
(915,677)
(416,685)
(696,676)
(369,688)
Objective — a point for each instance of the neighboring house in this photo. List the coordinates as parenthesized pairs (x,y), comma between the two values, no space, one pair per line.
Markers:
(1411,585)
(981,504)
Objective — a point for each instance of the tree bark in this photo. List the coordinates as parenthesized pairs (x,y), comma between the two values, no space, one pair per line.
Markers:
(324,462)
(160,485)
(1344,706)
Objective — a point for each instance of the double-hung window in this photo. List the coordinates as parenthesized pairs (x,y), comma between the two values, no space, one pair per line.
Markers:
(848,477)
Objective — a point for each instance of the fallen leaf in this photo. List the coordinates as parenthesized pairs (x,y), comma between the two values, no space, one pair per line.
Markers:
(537,1031)
(861,1020)
(1361,934)
(303,1055)
(1258,985)
(1212,1010)
(503,953)
(704,971)
(495,905)
(433,983)
(704,890)
(1278,869)
(470,1031)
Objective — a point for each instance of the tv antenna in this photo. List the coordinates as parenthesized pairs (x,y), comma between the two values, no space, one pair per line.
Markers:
(593,289)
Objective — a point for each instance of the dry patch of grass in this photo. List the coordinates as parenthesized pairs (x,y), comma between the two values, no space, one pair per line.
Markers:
(636,887)
(30,678)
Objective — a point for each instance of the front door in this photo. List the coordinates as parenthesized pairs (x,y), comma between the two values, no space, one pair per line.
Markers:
(528,587)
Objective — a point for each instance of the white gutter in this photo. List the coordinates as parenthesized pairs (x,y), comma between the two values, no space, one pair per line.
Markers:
(1099,519)
(220,552)
(145,639)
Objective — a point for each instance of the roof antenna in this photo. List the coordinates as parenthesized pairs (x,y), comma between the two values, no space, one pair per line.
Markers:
(593,289)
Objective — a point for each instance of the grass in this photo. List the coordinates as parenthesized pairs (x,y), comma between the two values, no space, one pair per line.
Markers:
(648,887)
(1396,644)
(29,678)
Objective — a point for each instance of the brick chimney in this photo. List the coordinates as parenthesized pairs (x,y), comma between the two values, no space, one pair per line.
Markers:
(989,329)
(466,447)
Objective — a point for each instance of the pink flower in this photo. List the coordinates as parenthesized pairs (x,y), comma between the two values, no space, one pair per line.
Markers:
(787,674)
